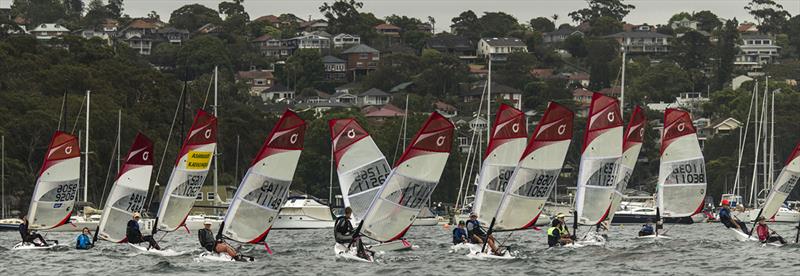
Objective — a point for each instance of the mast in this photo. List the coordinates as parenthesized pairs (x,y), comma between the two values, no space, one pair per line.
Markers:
(86,150)
(771,141)
(488,101)
(216,158)
(757,142)
(119,137)
(3,176)
(622,86)
(330,180)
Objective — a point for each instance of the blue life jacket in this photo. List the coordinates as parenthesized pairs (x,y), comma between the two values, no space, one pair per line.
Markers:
(84,242)
(458,234)
(647,229)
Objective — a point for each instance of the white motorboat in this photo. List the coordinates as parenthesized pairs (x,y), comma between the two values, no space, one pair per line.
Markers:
(304,212)
(784,215)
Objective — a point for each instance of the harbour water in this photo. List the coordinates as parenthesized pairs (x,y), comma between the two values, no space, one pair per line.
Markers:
(698,249)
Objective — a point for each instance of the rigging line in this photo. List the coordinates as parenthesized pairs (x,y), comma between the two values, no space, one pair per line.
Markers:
(108,173)
(469,154)
(152,192)
(77,118)
(208,90)
(742,142)
(61,114)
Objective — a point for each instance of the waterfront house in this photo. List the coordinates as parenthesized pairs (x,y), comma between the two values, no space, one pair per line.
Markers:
(388,29)
(361,59)
(47,31)
(173,35)
(755,51)
(498,48)
(257,80)
(374,96)
(315,42)
(272,47)
(277,93)
(561,34)
(455,45)
(346,40)
(643,42)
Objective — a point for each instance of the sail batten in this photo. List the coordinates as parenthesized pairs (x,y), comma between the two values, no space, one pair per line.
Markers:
(509,135)
(57,184)
(600,157)
(266,184)
(411,182)
(682,175)
(189,173)
(537,170)
(129,192)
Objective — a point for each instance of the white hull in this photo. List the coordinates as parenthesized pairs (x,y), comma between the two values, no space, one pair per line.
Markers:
(343,253)
(426,222)
(304,213)
(152,251)
(784,215)
(301,222)
(30,246)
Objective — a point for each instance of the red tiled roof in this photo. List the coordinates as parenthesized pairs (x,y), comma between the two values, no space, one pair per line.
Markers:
(386,26)
(542,72)
(579,76)
(581,92)
(142,24)
(269,18)
(388,110)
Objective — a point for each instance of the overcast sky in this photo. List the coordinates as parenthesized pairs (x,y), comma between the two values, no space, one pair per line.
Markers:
(647,11)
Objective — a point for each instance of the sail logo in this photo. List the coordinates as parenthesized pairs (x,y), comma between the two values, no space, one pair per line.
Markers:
(641,132)
(610,116)
(68,150)
(351,133)
(681,127)
(207,134)
(562,129)
(515,127)
(440,141)
(198,160)
(57,205)
(293,139)
(145,155)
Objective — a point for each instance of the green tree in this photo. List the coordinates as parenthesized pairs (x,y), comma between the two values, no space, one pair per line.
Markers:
(543,24)
(516,71)
(725,53)
(74,8)
(497,24)
(115,8)
(706,21)
(770,15)
(96,14)
(441,74)
(576,46)
(200,54)
(192,17)
(343,17)
(691,50)
(600,54)
(236,17)
(793,31)
(304,69)
(605,25)
(39,11)
(662,82)
(466,24)
(678,17)
(598,8)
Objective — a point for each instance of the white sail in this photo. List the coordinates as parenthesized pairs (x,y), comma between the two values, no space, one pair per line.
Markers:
(601,153)
(266,185)
(537,171)
(411,182)
(631,147)
(57,184)
(509,135)
(682,173)
(189,172)
(129,191)
(783,186)
(360,165)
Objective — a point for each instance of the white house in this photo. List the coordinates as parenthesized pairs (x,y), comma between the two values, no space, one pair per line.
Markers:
(47,31)
(756,51)
(500,47)
(374,96)
(346,40)
(277,93)
(317,42)
(684,23)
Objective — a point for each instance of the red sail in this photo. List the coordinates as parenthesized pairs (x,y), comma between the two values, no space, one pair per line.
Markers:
(636,129)
(555,125)
(508,124)
(677,123)
(203,132)
(140,154)
(288,134)
(603,115)
(62,146)
(344,133)
(795,154)
(436,135)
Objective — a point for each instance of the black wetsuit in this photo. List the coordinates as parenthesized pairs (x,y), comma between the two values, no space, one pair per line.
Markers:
(207,240)
(135,236)
(29,237)
(343,230)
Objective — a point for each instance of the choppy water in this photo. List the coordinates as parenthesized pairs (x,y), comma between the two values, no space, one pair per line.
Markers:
(698,249)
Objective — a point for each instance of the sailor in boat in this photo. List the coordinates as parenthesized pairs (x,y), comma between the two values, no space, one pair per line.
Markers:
(216,245)
(728,221)
(134,236)
(765,235)
(647,229)
(476,233)
(460,234)
(562,227)
(344,233)
(30,236)
(84,240)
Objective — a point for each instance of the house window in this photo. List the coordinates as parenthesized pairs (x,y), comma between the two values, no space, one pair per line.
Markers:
(199,197)
(211,196)
(363,56)
(260,82)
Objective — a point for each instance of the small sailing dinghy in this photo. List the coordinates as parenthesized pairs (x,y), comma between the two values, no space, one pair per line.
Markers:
(783,186)
(600,158)
(56,188)
(681,187)
(534,176)
(409,185)
(129,191)
(264,188)
(631,146)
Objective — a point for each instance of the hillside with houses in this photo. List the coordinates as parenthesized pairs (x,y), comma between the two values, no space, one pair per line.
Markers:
(345,61)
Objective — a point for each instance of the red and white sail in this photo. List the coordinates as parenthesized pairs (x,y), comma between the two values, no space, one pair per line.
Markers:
(266,184)
(631,146)
(783,186)
(57,184)
(600,156)
(189,173)
(361,167)
(537,171)
(411,182)
(506,144)
(682,173)
(129,191)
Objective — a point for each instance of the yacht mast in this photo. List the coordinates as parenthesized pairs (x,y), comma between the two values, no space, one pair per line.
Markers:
(216,158)
(86,150)
(3,176)
(771,141)
(756,143)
